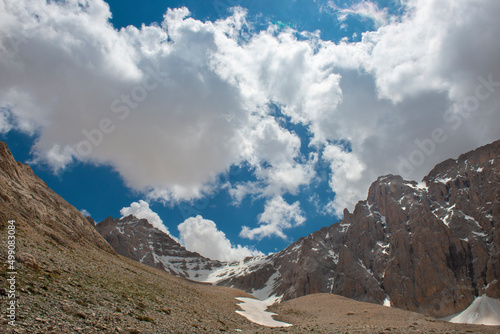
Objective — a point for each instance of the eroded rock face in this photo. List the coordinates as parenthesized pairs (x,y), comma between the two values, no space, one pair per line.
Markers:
(137,239)
(28,200)
(430,247)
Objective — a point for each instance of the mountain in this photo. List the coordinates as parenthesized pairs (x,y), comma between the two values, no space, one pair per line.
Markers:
(430,247)
(68,279)
(138,240)
(27,199)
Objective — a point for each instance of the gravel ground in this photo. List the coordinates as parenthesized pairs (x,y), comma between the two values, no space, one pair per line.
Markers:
(74,289)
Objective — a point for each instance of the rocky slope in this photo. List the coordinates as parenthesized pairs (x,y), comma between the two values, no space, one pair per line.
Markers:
(26,198)
(140,241)
(68,279)
(430,247)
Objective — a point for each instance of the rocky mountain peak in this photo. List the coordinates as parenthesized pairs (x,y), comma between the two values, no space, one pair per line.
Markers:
(139,240)
(430,247)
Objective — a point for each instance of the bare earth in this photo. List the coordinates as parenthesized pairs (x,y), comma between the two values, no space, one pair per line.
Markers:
(327,313)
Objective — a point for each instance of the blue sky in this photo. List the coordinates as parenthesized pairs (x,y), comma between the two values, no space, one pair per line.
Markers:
(250,126)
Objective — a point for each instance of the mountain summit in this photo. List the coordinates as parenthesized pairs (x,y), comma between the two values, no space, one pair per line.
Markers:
(69,279)
(430,247)
(139,240)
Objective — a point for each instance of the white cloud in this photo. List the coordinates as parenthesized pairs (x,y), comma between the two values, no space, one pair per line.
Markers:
(141,210)
(85,213)
(346,179)
(202,236)
(274,154)
(278,215)
(5,125)
(365,9)
(171,107)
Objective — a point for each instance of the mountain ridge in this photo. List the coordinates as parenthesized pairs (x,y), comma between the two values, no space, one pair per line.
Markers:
(138,240)
(68,280)
(430,247)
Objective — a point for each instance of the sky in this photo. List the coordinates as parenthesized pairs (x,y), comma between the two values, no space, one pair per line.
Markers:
(240,126)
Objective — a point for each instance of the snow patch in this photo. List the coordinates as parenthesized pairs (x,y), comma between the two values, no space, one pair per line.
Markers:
(334,256)
(237,268)
(383,246)
(479,234)
(472,219)
(387,301)
(331,284)
(364,267)
(445,181)
(345,228)
(267,290)
(255,311)
(422,186)
(483,311)
(418,186)
(383,220)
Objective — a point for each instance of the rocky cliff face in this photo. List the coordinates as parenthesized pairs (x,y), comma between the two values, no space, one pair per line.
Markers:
(68,279)
(139,240)
(430,247)
(26,198)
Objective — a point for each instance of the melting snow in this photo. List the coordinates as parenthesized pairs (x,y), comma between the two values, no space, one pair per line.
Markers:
(267,290)
(474,220)
(345,227)
(236,269)
(335,256)
(255,311)
(446,180)
(483,311)
(479,234)
(422,186)
(364,267)
(331,284)
(419,186)
(383,246)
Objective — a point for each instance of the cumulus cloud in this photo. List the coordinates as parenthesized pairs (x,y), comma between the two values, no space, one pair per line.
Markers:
(85,213)
(171,107)
(408,92)
(201,235)
(364,9)
(278,216)
(347,171)
(141,210)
